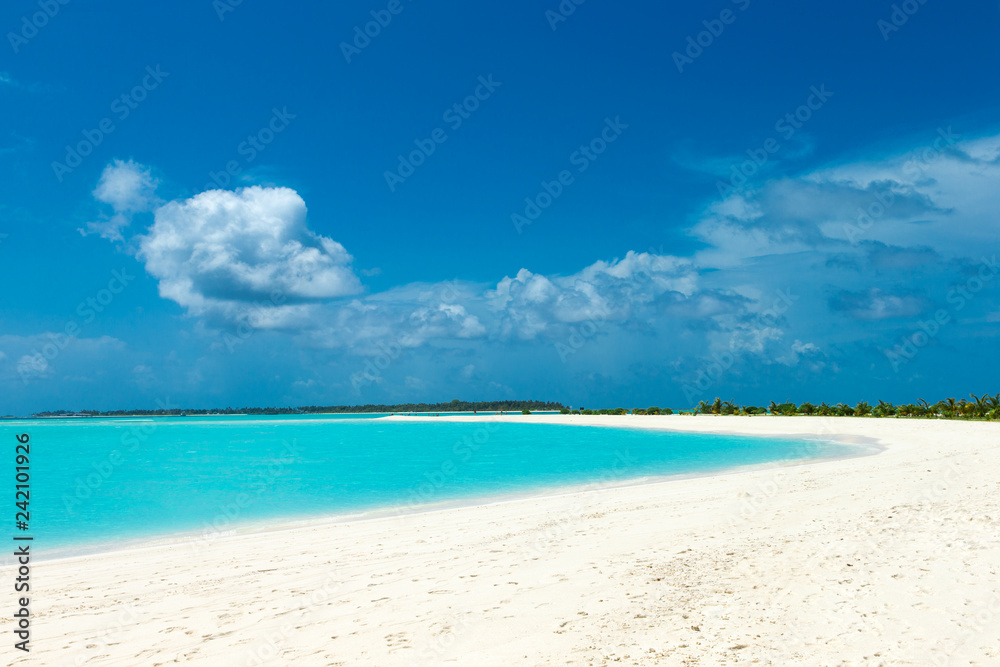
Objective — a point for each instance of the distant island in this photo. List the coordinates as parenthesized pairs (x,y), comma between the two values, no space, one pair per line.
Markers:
(453,406)
(980,407)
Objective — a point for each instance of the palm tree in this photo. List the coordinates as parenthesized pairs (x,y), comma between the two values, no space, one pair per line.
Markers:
(862,408)
(982,404)
(772,408)
(884,409)
(703,408)
(717,406)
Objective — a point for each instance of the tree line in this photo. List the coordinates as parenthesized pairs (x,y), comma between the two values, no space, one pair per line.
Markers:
(980,407)
(453,406)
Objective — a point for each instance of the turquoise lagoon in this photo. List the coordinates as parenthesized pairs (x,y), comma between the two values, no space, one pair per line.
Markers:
(98,483)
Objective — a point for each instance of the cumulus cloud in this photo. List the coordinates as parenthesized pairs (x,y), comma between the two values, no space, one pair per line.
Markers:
(43,355)
(32,366)
(529,304)
(406,317)
(220,251)
(878,304)
(797,351)
(127,188)
(819,257)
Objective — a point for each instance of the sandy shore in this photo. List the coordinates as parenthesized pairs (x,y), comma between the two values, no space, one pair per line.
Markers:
(891,559)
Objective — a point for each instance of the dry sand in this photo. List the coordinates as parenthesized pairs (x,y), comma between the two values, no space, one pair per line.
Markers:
(891,559)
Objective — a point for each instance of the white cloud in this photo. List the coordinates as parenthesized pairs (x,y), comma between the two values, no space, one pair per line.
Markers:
(799,350)
(128,188)
(219,252)
(804,348)
(775,266)
(32,366)
(530,304)
(877,304)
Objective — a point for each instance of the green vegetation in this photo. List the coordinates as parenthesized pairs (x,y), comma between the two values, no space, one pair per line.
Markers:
(985,407)
(454,406)
(653,411)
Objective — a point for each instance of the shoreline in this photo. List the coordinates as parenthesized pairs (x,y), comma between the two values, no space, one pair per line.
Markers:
(896,554)
(195,537)
(247,414)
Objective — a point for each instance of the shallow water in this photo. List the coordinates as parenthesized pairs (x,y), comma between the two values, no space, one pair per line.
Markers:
(107,480)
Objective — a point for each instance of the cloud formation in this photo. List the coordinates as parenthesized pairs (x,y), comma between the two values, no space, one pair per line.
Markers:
(219,251)
(127,188)
(798,278)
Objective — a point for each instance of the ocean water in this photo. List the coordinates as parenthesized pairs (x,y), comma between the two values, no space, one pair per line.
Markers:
(97,483)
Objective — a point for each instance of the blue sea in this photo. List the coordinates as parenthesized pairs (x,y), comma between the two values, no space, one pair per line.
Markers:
(99,483)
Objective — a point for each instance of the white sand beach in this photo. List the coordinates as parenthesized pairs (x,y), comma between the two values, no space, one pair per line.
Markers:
(890,559)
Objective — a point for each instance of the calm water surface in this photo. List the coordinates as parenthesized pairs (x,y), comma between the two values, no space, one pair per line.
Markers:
(100,480)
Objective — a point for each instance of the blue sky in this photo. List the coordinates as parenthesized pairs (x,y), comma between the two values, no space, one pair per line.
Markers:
(629,206)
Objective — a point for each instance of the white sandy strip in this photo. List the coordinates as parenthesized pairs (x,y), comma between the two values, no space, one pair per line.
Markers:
(890,559)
